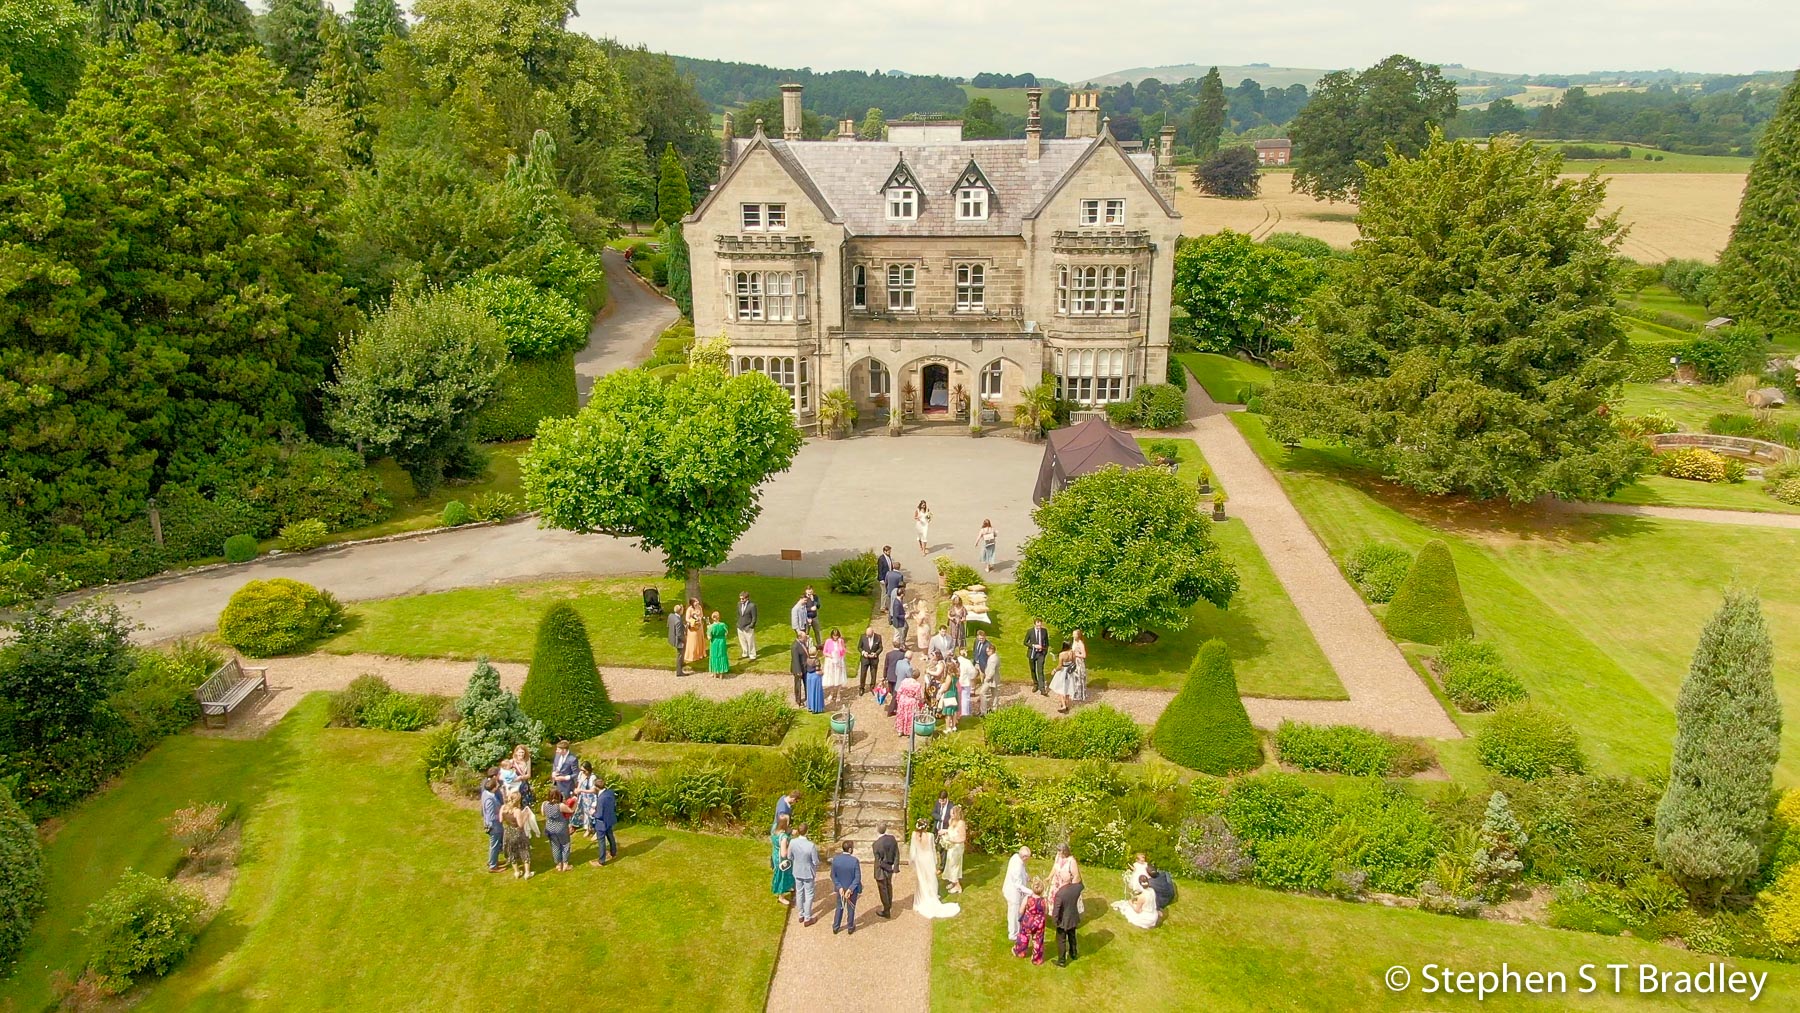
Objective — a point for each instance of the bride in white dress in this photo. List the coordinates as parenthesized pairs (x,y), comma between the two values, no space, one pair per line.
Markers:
(924,863)
(1141,909)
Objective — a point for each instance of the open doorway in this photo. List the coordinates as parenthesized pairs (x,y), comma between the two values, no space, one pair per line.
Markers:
(935,380)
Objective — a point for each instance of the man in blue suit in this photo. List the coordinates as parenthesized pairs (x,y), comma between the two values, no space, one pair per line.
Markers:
(846,882)
(490,822)
(606,816)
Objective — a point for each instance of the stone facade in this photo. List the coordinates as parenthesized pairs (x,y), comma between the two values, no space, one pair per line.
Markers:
(877,268)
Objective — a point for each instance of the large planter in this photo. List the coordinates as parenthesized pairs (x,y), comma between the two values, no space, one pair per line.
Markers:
(1218,511)
(843,723)
(924,727)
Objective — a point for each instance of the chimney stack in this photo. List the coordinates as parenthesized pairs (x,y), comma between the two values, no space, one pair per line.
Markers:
(1034,123)
(846,130)
(1084,114)
(1165,162)
(790,111)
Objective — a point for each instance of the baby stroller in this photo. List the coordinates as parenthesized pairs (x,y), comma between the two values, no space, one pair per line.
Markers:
(652,603)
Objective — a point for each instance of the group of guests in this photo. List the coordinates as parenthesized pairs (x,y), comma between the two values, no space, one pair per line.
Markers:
(1032,902)
(578,800)
(697,635)
(794,868)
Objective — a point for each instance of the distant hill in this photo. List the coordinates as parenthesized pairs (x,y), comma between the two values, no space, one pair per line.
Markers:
(726,84)
(1263,74)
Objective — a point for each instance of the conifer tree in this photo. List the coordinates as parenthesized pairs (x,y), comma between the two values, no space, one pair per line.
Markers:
(681,270)
(1713,816)
(673,199)
(1206,727)
(293,38)
(1759,272)
(1496,865)
(563,688)
(1210,114)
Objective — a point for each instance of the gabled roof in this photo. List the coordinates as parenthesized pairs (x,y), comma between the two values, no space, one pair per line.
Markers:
(777,150)
(901,176)
(1136,162)
(972,176)
(1082,448)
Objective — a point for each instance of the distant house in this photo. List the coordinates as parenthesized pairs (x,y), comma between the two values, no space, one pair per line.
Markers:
(1274,151)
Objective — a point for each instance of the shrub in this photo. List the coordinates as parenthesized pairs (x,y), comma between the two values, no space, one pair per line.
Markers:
(1016,729)
(536,321)
(439,754)
(1378,569)
(815,767)
(1527,742)
(1718,356)
(294,481)
(563,688)
(492,722)
(1159,406)
(405,712)
(955,575)
(195,526)
(1092,732)
(144,924)
(1206,727)
(240,548)
(495,506)
(21,876)
(685,792)
(157,699)
(852,575)
(275,616)
(456,514)
(1427,607)
(1589,827)
(1347,749)
(1691,279)
(1781,907)
(1121,413)
(1693,464)
(1213,852)
(756,718)
(299,536)
(196,826)
(350,705)
(1647,424)
(1786,490)
(1293,863)
(527,392)
(1177,375)
(1475,678)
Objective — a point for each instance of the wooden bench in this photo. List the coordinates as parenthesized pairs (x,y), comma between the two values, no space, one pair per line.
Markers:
(231,685)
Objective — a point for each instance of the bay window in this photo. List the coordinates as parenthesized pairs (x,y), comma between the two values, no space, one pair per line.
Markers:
(791,373)
(1091,376)
(774,296)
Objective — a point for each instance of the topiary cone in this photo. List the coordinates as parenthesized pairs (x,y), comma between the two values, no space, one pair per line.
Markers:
(564,689)
(1205,727)
(1428,607)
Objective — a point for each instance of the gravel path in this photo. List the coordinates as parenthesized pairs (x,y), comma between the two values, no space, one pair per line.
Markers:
(1704,515)
(625,332)
(1385,693)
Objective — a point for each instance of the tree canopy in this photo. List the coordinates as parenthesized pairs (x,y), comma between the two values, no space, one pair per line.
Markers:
(678,464)
(1121,551)
(673,199)
(1231,172)
(1470,343)
(1241,293)
(1759,272)
(44,42)
(1209,114)
(1357,120)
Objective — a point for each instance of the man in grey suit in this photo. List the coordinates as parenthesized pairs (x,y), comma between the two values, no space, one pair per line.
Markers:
(804,856)
(746,626)
(677,638)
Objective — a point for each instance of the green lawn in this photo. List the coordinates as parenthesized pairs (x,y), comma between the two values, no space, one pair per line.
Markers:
(1597,614)
(1688,404)
(1006,100)
(1223,376)
(359,889)
(501,622)
(1671,161)
(1657,298)
(413,512)
(1660,490)
(1244,948)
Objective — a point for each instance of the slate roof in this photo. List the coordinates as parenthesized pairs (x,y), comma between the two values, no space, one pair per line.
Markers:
(847,179)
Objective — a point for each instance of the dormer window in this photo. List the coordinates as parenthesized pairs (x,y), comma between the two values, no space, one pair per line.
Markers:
(902,204)
(971,204)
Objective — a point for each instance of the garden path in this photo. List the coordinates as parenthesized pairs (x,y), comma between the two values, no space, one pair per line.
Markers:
(1385,693)
(1704,515)
(626,330)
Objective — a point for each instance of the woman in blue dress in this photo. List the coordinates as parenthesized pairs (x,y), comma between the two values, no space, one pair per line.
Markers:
(815,684)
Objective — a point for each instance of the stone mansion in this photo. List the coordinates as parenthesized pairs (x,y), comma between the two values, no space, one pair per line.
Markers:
(926,269)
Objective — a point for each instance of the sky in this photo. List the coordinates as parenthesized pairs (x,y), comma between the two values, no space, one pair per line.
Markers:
(1075,39)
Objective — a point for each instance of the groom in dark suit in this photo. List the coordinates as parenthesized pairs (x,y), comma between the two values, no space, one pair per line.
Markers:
(606,817)
(846,882)
(887,866)
(1068,919)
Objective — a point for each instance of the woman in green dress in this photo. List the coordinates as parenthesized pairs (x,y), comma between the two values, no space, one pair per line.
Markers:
(782,882)
(715,634)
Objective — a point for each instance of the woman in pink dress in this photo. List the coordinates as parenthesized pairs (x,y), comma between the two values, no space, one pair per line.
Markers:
(835,674)
(911,696)
(1064,872)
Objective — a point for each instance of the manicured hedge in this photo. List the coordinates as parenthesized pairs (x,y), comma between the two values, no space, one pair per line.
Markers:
(1475,677)
(530,390)
(240,548)
(1528,742)
(369,702)
(564,689)
(21,876)
(1378,569)
(1428,606)
(1206,727)
(756,718)
(1347,749)
(269,617)
(1092,732)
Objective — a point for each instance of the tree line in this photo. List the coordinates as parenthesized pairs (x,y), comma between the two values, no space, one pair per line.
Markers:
(1725,121)
(231,244)
(836,94)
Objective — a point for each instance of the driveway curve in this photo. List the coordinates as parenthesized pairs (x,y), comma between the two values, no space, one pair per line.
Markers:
(626,330)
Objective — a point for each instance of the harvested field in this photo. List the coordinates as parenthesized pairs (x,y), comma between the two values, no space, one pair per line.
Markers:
(1670,214)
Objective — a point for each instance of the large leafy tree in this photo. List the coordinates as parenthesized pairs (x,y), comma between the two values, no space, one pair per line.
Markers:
(670,111)
(1354,120)
(1229,173)
(372,24)
(169,288)
(196,26)
(873,127)
(60,666)
(412,382)
(1713,817)
(1759,272)
(1241,293)
(1470,343)
(673,200)
(1209,114)
(292,38)
(678,464)
(42,41)
(1121,551)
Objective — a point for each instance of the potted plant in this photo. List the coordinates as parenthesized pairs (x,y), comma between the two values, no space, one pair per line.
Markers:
(1205,481)
(837,413)
(990,411)
(959,402)
(896,423)
(906,394)
(843,722)
(975,430)
(924,727)
(1219,505)
(1025,419)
